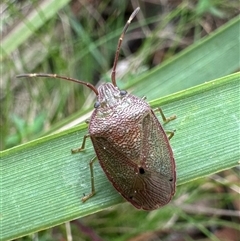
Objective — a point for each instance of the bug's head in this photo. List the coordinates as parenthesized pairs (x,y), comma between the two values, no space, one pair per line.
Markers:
(109,96)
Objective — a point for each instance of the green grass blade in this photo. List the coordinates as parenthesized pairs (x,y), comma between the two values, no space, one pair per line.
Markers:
(31,23)
(42,183)
(210,58)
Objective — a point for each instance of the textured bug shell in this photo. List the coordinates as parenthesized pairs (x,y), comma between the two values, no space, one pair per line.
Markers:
(132,148)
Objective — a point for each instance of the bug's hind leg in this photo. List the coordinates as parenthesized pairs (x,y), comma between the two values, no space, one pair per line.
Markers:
(81,148)
(85,198)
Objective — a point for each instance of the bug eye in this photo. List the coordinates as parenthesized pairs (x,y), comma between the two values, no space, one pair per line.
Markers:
(123,92)
(97,104)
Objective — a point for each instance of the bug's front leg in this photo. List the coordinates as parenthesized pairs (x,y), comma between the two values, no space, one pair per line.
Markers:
(171,134)
(164,118)
(82,147)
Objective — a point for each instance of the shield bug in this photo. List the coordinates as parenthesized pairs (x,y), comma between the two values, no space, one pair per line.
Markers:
(129,142)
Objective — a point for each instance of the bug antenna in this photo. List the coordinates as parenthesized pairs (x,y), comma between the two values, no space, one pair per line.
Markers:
(55,76)
(113,75)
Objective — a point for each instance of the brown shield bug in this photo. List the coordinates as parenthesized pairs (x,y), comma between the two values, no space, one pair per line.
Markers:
(129,142)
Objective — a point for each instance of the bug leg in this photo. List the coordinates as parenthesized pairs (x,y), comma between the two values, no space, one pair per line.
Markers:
(171,134)
(85,198)
(82,146)
(165,120)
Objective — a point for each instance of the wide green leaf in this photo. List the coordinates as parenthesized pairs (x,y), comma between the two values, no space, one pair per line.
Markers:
(42,183)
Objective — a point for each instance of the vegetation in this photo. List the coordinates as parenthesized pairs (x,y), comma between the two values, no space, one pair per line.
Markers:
(168,48)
